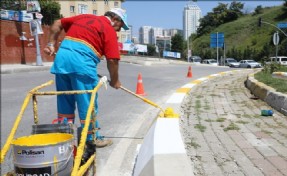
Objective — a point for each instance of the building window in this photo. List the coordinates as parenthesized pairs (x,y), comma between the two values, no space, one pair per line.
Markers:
(83,9)
(116,4)
(72,9)
(95,12)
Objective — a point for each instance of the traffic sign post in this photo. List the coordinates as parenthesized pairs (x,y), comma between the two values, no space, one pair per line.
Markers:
(216,41)
(276,38)
(276,41)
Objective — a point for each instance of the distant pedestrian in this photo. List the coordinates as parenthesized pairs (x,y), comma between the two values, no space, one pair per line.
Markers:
(88,38)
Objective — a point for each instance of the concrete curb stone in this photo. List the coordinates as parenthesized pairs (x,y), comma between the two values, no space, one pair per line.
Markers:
(268,94)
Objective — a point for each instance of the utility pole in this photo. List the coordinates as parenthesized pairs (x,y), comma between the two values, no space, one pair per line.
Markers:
(187,47)
(217,47)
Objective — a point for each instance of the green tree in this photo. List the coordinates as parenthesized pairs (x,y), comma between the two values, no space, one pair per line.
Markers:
(258,10)
(234,11)
(50,11)
(237,7)
(151,50)
(220,14)
(177,43)
(13,5)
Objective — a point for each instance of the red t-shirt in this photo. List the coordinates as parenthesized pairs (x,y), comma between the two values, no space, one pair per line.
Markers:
(94,31)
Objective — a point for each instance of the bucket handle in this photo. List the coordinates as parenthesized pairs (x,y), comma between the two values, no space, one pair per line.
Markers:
(66,162)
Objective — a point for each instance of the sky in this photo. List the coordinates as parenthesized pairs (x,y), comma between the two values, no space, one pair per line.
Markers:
(167,14)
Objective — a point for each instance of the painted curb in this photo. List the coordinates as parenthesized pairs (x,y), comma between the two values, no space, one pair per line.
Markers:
(275,99)
(163,151)
(280,75)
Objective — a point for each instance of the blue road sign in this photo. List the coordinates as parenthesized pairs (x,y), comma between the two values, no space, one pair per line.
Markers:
(282,25)
(216,40)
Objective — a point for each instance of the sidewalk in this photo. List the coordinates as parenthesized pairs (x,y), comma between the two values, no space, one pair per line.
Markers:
(18,68)
(225,133)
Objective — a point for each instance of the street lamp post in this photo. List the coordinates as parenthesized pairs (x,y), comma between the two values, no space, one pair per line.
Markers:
(188,50)
(261,21)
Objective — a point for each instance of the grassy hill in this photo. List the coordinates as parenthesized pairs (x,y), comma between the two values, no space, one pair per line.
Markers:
(244,33)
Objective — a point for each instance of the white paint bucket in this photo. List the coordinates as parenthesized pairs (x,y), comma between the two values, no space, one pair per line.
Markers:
(43,154)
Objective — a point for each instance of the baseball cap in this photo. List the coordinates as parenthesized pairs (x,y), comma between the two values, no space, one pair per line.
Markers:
(121,13)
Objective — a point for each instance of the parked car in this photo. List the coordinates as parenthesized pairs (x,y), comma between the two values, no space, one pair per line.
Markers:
(249,64)
(210,61)
(195,59)
(231,62)
(279,59)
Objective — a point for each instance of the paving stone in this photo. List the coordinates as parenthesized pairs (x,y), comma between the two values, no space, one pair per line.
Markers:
(266,151)
(259,145)
(279,163)
(252,153)
(266,167)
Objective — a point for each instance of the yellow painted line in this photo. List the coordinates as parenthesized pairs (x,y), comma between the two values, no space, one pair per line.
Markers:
(183,90)
(211,76)
(222,73)
(196,81)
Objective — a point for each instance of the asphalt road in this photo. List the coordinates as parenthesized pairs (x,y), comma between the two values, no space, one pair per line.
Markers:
(123,118)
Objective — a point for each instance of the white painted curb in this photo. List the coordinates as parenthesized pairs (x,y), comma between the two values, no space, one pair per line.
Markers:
(162,152)
(281,75)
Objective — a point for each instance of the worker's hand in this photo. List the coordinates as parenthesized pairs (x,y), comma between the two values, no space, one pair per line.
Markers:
(50,50)
(115,84)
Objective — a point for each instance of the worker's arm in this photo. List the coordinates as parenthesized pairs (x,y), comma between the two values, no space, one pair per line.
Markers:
(113,67)
(55,31)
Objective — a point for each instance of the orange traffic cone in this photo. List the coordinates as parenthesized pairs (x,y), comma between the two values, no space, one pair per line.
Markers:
(189,73)
(140,88)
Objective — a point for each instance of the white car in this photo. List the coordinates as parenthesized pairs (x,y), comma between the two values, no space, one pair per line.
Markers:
(279,59)
(249,64)
(210,62)
(231,62)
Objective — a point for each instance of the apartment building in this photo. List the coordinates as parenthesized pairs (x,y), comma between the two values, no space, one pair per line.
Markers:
(172,32)
(154,32)
(126,35)
(96,7)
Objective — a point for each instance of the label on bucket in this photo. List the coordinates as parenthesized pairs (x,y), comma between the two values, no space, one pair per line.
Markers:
(43,171)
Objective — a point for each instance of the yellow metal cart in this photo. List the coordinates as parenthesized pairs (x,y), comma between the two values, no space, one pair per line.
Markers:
(89,168)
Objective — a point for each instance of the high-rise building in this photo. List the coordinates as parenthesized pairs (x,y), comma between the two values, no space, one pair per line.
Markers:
(172,32)
(154,32)
(144,35)
(191,15)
